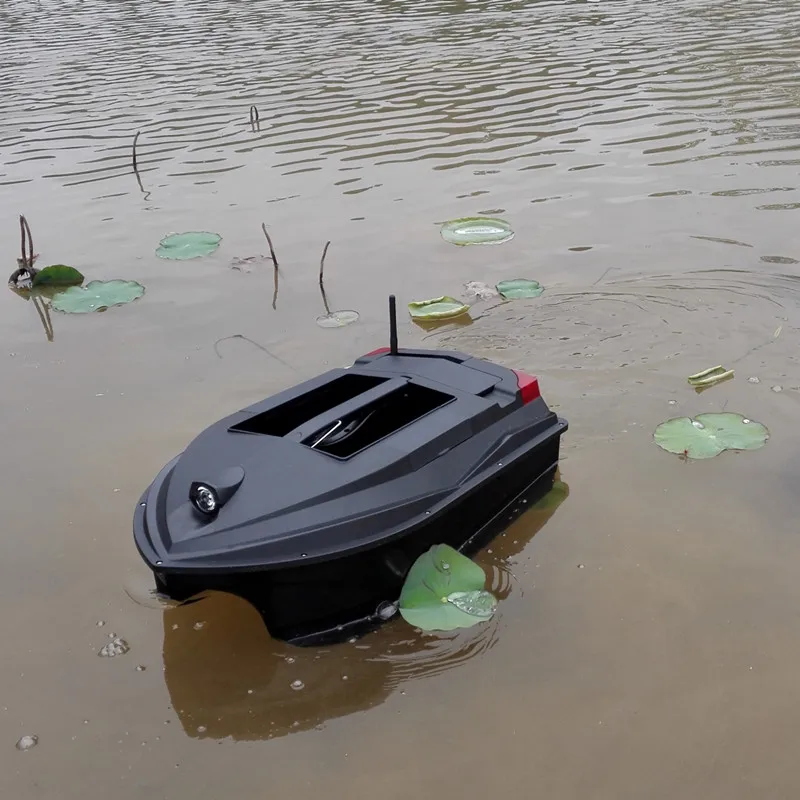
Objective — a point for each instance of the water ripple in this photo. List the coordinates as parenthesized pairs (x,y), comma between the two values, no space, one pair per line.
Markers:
(451,86)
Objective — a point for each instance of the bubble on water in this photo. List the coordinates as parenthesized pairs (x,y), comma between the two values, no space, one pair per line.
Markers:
(201,729)
(298,685)
(753,379)
(289,660)
(141,668)
(777,388)
(746,421)
(445,565)
(199,625)
(673,402)
(117,647)
(352,640)
(27,742)
(698,424)
(100,623)
(344,677)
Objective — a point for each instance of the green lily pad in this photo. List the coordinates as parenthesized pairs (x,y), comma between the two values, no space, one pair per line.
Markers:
(437,308)
(444,591)
(183,246)
(97,296)
(57,275)
(519,288)
(476,230)
(337,319)
(708,435)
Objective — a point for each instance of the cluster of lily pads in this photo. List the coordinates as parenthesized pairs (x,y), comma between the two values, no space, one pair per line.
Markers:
(474,231)
(64,286)
(708,435)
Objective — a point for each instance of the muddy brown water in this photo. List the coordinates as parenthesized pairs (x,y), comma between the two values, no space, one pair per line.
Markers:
(647,155)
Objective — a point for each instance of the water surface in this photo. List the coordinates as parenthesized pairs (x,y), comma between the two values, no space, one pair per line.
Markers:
(647,155)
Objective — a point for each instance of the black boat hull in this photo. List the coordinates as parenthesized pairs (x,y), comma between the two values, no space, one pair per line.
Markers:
(329,600)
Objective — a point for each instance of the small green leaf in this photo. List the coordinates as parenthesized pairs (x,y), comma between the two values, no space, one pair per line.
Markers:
(437,308)
(519,288)
(58,275)
(337,319)
(183,246)
(708,377)
(444,591)
(97,296)
(708,435)
(476,230)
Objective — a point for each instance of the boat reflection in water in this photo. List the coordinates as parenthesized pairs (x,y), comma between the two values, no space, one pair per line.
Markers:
(227,678)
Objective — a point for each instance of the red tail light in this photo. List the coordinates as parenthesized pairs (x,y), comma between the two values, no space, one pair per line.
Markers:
(528,385)
(376,352)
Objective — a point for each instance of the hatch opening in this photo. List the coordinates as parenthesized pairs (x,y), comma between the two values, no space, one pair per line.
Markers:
(369,424)
(284,418)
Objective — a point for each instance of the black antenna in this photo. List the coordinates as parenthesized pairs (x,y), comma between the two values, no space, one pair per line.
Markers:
(392,326)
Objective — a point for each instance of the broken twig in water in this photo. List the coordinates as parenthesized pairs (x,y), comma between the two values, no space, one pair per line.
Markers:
(321,270)
(274,265)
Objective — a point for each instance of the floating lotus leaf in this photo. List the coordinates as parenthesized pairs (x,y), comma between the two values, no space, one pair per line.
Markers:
(183,246)
(97,296)
(519,288)
(708,435)
(444,591)
(337,319)
(57,275)
(476,230)
(708,377)
(437,308)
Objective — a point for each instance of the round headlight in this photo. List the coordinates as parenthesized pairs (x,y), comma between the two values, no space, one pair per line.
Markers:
(205,500)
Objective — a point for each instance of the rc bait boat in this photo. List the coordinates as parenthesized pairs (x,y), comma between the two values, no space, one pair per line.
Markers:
(315,502)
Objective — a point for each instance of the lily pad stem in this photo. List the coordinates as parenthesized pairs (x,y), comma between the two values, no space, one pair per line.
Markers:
(133,155)
(321,270)
(274,263)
